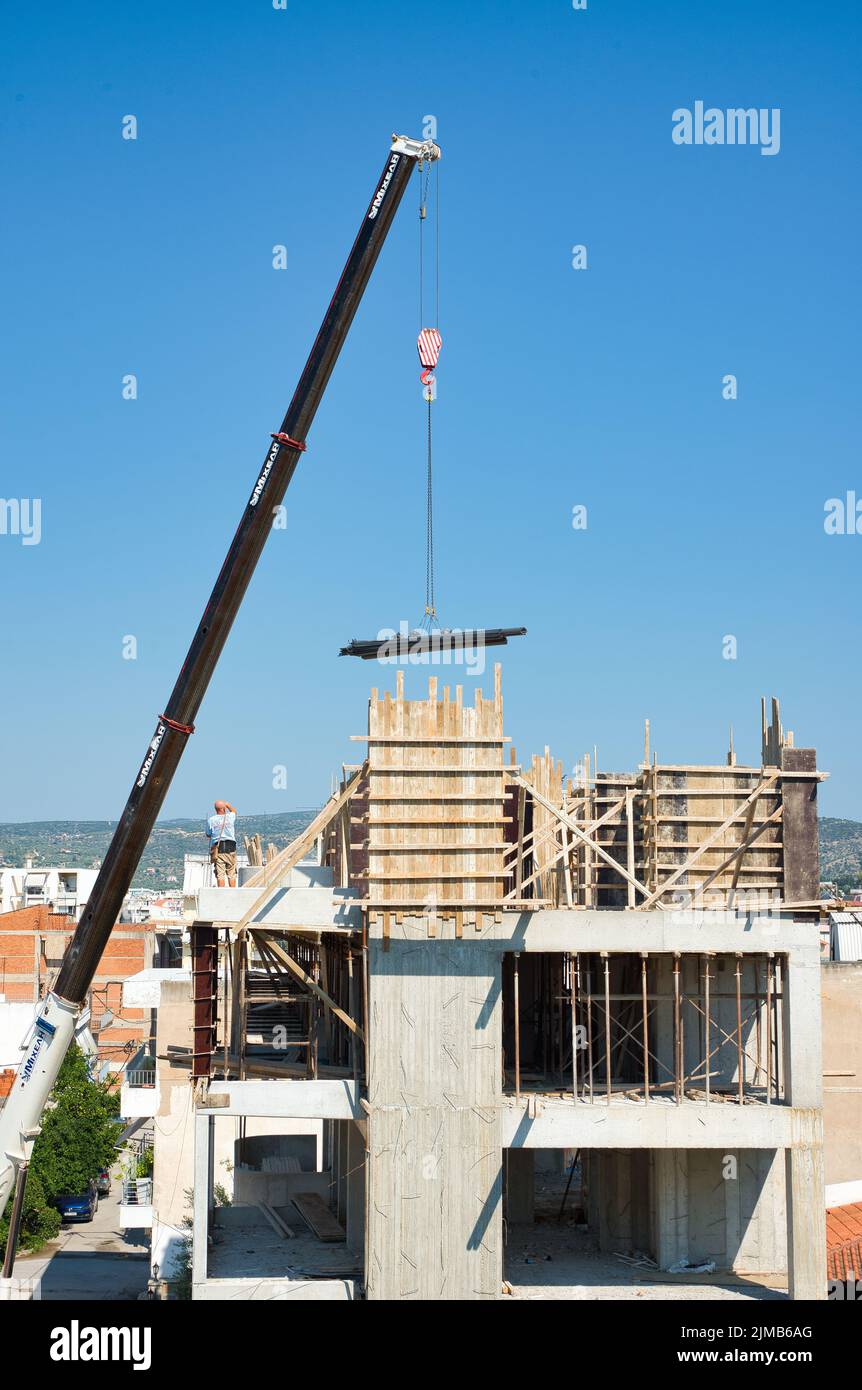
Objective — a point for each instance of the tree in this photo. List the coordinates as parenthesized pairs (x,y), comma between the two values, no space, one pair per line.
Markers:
(39,1222)
(79,1130)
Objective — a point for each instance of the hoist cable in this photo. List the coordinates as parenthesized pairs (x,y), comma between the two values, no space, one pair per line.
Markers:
(437,245)
(430,608)
(429,618)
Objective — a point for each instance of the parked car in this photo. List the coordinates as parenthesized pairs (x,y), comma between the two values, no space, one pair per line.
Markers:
(103,1183)
(78,1206)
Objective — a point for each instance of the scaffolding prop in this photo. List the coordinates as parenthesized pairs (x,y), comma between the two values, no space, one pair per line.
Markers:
(601,1028)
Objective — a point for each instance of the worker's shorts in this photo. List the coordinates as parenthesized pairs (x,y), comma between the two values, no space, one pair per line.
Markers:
(225,863)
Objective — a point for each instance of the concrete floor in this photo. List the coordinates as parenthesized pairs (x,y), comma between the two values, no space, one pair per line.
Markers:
(553,1259)
(246,1247)
(546,1261)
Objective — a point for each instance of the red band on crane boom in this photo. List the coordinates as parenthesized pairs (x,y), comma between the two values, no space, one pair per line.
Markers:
(289,443)
(179,728)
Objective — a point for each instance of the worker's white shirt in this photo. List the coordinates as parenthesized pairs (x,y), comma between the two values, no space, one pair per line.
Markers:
(222,827)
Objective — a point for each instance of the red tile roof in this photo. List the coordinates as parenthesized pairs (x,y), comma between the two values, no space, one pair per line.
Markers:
(844,1241)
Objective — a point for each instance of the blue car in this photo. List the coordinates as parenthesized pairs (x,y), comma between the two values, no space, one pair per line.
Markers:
(79,1206)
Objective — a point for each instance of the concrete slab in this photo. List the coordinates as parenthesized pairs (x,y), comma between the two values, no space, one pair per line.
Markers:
(276,1290)
(562,929)
(144,990)
(309,908)
(280,1097)
(548,1122)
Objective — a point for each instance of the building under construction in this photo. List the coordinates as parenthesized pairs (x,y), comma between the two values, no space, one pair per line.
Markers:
(486,965)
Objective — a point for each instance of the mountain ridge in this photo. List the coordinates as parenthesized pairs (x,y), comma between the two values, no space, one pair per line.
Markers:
(80,844)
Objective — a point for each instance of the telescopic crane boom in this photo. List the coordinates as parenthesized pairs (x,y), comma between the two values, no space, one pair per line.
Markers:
(55,1022)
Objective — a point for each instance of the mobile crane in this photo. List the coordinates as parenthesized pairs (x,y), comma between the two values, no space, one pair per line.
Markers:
(58,1012)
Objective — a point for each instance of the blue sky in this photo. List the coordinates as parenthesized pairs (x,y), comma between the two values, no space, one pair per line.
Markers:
(556,387)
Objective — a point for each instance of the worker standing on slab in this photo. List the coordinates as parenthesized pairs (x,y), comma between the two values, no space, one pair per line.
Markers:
(221,830)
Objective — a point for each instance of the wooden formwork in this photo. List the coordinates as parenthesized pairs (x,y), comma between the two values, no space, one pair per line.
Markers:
(613,800)
(674,834)
(434,805)
(710,812)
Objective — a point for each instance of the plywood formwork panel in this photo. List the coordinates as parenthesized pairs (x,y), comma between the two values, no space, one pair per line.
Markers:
(435,800)
(683,807)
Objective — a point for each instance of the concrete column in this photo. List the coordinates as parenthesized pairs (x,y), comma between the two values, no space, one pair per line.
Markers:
(202,1195)
(354,1183)
(520,1168)
(591,1178)
(806,1209)
(340,1167)
(641,1219)
(802,1041)
(614,1170)
(806,1194)
(435,1155)
(670,1206)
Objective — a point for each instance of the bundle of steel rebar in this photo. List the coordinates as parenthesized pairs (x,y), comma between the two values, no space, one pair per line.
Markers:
(420,643)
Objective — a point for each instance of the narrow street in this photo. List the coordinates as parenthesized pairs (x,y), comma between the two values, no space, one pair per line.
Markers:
(95,1261)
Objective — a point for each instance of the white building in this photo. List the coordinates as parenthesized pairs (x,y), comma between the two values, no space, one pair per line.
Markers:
(146,905)
(61,889)
(198,873)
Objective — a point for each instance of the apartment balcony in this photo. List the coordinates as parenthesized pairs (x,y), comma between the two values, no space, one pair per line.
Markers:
(140,1095)
(136,1204)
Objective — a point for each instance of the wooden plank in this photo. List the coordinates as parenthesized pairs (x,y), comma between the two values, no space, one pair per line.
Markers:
(432,820)
(447,848)
(630,846)
(431,738)
(425,795)
(385,770)
(407,876)
(316,1213)
(419,906)
(280,1227)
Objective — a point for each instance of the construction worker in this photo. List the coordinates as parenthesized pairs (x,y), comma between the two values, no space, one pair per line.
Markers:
(221,830)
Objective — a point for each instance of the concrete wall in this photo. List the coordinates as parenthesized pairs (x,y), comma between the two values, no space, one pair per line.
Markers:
(842,1070)
(621,1199)
(736,1209)
(691,1204)
(435,1175)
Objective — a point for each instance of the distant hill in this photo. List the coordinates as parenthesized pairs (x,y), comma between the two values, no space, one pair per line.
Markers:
(83,844)
(841,852)
(80,844)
